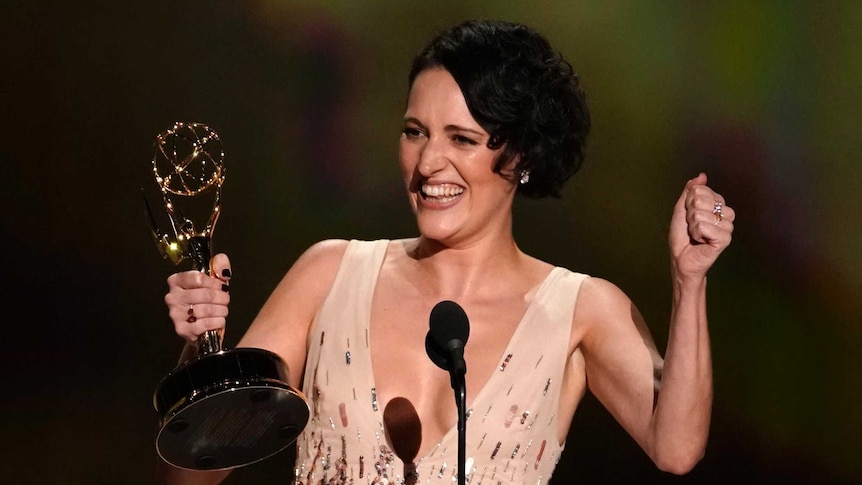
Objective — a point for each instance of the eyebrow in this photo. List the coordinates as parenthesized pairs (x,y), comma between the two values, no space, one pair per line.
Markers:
(410,119)
(463,128)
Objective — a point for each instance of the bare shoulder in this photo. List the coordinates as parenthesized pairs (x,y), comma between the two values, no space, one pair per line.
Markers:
(323,255)
(312,274)
(598,297)
(303,287)
(602,304)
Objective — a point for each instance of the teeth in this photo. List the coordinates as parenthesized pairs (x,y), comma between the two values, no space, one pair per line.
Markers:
(445,190)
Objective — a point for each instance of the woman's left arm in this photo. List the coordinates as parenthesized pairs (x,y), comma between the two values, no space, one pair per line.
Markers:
(666,406)
(701,228)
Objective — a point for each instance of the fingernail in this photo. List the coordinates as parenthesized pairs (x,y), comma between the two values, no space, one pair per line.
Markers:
(225,287)
(226,272)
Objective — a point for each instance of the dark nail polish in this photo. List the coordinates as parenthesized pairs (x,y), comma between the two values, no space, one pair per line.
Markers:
(225,272)
(225,287)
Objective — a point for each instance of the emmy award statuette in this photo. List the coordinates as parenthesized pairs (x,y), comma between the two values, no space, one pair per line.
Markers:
(224,408)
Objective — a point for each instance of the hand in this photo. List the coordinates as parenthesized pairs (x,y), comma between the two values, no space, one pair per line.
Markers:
(198,302)
(700,229)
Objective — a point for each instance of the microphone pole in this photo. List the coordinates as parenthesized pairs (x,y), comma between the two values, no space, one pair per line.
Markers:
(460,387)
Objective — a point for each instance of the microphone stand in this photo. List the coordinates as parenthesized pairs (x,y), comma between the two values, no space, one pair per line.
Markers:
(449,329)
(460,387)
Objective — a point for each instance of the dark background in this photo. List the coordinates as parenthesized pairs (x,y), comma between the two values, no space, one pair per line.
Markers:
(763,96)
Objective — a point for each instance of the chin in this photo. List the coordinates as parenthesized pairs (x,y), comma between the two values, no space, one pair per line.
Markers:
(434,231)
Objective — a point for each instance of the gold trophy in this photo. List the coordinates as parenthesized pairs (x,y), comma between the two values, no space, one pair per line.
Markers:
(224,408)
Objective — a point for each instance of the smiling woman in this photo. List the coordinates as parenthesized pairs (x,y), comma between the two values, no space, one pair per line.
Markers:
(492,111)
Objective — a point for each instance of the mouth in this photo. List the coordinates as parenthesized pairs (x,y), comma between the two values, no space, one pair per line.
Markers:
(440,193)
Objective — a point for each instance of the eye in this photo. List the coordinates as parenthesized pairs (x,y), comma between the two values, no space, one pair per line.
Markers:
(411,133)
(463,140)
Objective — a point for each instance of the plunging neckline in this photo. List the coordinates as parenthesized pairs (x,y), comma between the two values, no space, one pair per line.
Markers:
(453,430)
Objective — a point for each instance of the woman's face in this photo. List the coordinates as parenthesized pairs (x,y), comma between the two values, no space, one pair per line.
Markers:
(448,168)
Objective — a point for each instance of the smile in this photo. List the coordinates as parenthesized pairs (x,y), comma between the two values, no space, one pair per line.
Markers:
(441,193)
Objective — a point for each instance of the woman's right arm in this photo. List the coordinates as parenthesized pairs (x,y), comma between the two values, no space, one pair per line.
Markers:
(283,324)
(281,327)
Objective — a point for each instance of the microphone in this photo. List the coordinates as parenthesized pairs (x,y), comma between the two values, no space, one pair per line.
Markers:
(449,330)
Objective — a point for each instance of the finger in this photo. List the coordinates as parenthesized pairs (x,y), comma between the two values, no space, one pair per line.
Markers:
(727,214)
(707,229)
(190,280)
(182,297)
(191,331)
(697,181)
(702,197)
(221,267)
(191,321)
(195,323)
(714,207)
(193,280)
(685,198)
(187,325)
(197,312)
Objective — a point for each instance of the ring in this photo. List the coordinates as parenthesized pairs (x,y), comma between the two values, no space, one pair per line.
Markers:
(192,318)
(717,211)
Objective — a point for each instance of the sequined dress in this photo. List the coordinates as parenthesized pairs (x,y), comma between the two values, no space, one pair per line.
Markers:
(512,421)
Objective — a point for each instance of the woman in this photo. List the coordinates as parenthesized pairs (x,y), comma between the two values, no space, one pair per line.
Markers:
(492,111)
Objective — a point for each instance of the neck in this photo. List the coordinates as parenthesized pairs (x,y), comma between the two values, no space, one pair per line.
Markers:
(465,270)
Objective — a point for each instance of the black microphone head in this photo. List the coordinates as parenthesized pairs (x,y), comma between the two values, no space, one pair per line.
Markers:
(448,322)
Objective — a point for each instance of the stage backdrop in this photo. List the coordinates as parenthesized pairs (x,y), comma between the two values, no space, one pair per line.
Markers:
(307,96)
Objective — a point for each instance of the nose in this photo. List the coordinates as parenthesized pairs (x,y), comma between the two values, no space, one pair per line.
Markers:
(432,159)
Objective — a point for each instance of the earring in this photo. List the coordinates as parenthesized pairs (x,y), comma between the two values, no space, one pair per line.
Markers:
(525,176)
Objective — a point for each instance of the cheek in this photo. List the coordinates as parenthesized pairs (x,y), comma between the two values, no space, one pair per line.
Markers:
(407,158)
(481,170)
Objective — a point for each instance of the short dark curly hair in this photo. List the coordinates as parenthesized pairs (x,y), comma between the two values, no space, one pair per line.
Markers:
(522,92)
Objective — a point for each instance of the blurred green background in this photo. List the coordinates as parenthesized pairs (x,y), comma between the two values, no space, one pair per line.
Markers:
(762,95)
